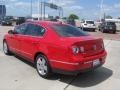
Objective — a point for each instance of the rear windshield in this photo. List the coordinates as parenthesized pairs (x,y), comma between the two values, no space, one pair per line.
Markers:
(110,23)
(90,22)
(68,31)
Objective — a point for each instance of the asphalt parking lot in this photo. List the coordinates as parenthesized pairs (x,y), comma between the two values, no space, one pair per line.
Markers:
(16,74)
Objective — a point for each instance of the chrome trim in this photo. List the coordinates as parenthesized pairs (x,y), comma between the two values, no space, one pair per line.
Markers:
(64,62)
(88,62)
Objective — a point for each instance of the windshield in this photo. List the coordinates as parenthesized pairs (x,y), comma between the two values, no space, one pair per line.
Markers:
(90,22)
(68,31)
(110,23)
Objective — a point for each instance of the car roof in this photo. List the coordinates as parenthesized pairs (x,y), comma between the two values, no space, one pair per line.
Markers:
(44,22)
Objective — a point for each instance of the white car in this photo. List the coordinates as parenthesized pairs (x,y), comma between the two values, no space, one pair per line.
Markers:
(88,25)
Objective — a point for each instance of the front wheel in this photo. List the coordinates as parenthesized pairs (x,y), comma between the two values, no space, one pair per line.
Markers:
(103,31)
(6,48)
(94,30)
(114,32)
(42,66)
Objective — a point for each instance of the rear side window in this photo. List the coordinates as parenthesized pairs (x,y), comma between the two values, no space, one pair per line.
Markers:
(34,30)
(68,31)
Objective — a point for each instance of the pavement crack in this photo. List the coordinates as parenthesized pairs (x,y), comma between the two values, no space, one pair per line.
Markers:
(70,82)
(77,75)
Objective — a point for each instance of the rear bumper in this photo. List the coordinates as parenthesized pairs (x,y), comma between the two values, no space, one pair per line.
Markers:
(86,28)
(109,30)
(74,68)
(75,72)
(6,23)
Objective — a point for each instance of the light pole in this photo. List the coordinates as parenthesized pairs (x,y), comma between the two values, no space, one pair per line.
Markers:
(101,10)
(41,11)
(38,10)
(44,10)
(60,12)
(31,9)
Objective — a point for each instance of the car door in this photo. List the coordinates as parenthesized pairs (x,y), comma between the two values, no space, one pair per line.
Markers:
(14,39)
(31,40)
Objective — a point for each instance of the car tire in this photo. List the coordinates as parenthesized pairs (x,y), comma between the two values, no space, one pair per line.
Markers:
(99,29)
(93,30)
(6,48)
(102,31)
(114,32)
(42,66)
(2,24)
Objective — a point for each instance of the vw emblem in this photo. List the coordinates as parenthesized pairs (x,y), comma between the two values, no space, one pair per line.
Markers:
(95,47)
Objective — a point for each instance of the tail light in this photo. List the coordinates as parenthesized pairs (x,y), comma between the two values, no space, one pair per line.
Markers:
(82,49)
(75,50)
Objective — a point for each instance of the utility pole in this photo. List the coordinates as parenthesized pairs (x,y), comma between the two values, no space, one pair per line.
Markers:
(44,10)
(59,13)
(38,10)
(62,12)
(101,10)
(41,11)
(31,9)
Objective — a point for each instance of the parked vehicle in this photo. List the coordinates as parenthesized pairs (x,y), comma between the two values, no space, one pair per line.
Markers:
(108,27)
(20,20)
(55,47)
(71,22)
(0,20)
(6,21)
(88,25)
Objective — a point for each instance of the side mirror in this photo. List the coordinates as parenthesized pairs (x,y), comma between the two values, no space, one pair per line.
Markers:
(11,32)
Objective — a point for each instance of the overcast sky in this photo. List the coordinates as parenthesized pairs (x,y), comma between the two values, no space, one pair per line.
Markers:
(87,9)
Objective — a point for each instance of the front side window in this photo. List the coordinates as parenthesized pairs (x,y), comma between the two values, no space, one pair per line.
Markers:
(34,30)
(21,29)
(68,31)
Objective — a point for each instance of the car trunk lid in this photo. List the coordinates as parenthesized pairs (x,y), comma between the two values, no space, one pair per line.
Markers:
(92,46)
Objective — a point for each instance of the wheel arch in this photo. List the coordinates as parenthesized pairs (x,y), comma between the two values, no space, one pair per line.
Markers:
(4,39)
(36,54)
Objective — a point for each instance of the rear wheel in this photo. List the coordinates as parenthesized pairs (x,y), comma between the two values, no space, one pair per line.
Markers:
(2,24)
(42,66)
(93,30)
(102,31)
(6,48)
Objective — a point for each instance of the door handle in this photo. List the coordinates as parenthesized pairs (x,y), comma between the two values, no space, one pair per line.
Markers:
(35,42)
(11,37)
(20,39)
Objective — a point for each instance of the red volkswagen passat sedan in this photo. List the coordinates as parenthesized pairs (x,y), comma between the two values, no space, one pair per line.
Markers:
(55,47)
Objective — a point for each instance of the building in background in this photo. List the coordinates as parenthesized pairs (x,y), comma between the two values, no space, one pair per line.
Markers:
(2,10)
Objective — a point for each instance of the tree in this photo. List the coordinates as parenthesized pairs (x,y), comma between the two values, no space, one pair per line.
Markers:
(108,17)
(73,17)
